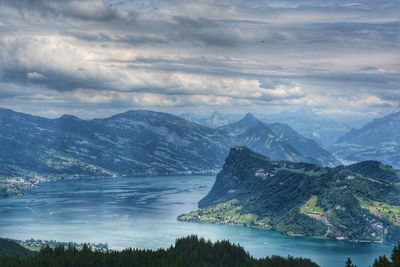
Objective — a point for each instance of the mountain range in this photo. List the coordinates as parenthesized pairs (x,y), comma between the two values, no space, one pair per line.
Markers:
(138,142)
(325,131)
(377,140)
(359,202)
(311,125)
(277,141)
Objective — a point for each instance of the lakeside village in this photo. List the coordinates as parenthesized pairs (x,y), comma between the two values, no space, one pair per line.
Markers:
(37,244)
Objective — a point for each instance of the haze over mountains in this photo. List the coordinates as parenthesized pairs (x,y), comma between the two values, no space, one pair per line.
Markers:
(311,125)
(306,122)
(215,120)
(350,142)
(152,143)
(138,142)
(377,140)
(277,141)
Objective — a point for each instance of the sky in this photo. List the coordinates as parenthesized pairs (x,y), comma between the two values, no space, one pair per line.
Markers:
(97,58)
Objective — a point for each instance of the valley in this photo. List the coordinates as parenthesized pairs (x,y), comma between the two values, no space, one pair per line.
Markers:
(133,143)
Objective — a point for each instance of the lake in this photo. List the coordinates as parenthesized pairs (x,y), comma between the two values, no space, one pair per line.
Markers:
(141,212)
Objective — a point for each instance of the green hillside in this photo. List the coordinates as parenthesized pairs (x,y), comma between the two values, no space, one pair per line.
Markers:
(303,199)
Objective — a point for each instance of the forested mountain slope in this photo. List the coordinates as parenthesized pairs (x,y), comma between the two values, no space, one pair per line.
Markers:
(304,199)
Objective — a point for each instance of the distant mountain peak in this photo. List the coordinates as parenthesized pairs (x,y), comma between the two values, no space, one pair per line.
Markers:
(249,116)
(244,124)
(376,140)
(142,114)
(68,117)
(135,111)
(216,113)
(379,130)
(216,120)
(135,142)
(277,141)
(249,120)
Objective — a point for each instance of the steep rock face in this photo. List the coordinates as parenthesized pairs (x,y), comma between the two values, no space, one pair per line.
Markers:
(378,140)
(303,199)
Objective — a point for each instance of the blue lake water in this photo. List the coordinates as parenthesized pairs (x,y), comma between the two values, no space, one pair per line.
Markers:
(141,212)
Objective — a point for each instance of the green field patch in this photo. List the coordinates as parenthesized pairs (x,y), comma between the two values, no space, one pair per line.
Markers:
(3,186)
(390,213)
(311,207)
(225,213)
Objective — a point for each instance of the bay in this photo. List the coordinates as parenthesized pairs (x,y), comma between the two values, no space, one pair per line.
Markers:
(141,212)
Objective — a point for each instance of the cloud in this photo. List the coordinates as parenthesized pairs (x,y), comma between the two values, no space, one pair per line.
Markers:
(36,76)
(89,10)
(86,55)
(65,65)
(97,10)
(60,65)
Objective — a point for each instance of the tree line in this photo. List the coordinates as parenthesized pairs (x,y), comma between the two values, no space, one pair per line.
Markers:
(188,251)
(383,261)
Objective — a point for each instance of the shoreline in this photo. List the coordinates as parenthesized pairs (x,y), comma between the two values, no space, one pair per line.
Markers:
(283,233)
(18,186)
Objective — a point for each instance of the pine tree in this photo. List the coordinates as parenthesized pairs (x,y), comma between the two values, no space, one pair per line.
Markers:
(396,256)
(349,263)
(382,261)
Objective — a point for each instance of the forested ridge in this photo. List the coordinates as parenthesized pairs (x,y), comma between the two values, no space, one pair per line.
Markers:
(359,202)
(189,251)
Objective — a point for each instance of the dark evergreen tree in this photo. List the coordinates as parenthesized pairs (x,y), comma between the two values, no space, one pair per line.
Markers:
(382,261)
(190,251)
(349,263)
(396,256)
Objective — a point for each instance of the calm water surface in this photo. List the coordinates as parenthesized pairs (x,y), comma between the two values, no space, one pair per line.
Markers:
(141,212)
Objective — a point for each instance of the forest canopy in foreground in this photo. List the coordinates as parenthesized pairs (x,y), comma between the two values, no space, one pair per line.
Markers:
(188,251)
